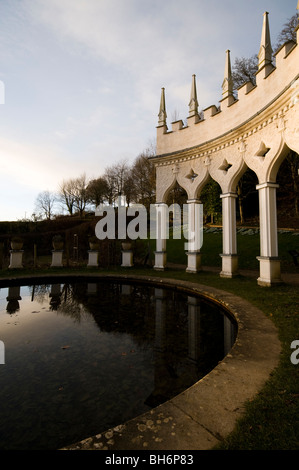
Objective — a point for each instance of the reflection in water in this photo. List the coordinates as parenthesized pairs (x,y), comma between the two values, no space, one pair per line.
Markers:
(13,298)
(82,357)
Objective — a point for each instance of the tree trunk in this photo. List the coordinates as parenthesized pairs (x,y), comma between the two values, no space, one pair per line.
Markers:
(240,201)
(293,161)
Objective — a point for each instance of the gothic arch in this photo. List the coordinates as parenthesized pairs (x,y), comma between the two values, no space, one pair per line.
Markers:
(277,161)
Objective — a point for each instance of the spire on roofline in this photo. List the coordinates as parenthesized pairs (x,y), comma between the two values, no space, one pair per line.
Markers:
(265,52)
(264,63)
(193,103)
(227,84)
(162,111)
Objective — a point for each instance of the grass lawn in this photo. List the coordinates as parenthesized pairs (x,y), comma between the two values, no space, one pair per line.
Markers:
(271,421)
(248,247)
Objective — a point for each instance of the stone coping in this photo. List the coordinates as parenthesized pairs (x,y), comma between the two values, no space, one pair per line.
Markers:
(203,415)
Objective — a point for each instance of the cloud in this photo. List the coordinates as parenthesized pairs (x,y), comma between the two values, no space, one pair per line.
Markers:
(151,42)
(32,166)
(144,45)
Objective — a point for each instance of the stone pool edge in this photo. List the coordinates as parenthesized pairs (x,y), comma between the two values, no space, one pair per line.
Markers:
(203,415)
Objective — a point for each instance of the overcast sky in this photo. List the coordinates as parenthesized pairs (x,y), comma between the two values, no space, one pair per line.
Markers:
(82,79)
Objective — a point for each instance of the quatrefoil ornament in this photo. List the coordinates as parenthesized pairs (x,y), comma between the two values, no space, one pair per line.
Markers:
(192,175)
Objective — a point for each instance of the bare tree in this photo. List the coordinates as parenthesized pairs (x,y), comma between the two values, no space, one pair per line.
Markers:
(293,161)
(73,194)
(97,191)
(44,204)
(117,179)
(288,180)
(288,32)
(143,176)
(129,188)
(80,193)
(66,195)
(244,70)
(245,189)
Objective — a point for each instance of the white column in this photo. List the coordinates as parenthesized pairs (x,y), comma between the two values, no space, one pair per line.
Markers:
(229,236)
(161,235)
(269,261)
(195,229)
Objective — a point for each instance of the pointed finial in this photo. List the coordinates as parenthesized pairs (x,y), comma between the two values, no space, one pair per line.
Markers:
(193,103)
(265,53)
(162,112)
(227,84)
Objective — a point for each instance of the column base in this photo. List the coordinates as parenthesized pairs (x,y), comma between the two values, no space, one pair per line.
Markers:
(16,258)
(127,259)
(229,265)
(194,261)
(269,271)
(160,260)
(57,259)
(93,258)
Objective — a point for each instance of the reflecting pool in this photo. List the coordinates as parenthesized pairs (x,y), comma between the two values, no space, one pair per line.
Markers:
(82,356)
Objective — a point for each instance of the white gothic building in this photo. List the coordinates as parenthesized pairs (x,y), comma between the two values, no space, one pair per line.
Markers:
(256,130)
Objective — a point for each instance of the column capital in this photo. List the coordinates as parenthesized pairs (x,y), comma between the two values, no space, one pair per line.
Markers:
(267,185)
(196,201)
(229,195)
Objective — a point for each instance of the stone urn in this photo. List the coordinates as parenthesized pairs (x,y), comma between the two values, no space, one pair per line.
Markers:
(94,243)
(16,243)
(57,242)
(126,246)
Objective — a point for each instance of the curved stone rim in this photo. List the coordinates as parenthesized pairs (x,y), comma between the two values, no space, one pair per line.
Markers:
(204,414)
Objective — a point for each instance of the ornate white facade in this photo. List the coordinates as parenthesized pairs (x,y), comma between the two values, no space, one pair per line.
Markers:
(254,131)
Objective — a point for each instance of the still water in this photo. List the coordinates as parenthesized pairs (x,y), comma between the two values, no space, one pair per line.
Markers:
(81,357)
